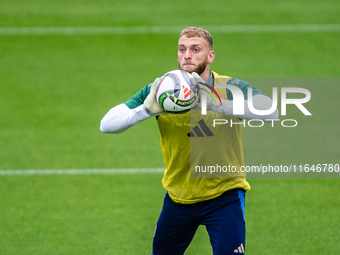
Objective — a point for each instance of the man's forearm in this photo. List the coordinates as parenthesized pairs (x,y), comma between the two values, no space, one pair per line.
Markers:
(260,102)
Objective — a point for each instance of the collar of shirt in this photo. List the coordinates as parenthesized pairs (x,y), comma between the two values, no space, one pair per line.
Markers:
(210,81)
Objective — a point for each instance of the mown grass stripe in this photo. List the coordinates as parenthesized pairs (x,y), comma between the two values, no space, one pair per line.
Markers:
(226,29)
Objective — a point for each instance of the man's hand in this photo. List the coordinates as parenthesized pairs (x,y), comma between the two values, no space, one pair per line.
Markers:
(150,104)
(202,94)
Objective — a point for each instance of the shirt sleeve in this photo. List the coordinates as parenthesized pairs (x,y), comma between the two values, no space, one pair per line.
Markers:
(243,85)
(139,98)
(125,115)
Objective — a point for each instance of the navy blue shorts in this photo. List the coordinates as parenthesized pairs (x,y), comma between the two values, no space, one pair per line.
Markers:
(223,217)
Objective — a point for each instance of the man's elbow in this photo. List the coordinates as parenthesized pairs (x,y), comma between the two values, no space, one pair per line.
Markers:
(273,117)
(275,114)
(104,127)
(108,128)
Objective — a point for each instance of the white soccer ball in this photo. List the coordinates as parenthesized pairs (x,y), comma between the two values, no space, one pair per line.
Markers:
(177,92)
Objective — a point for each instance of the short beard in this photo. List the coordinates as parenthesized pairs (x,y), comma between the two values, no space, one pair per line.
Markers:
(199,69)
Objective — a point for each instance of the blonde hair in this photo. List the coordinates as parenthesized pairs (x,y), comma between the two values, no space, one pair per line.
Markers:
(197,32)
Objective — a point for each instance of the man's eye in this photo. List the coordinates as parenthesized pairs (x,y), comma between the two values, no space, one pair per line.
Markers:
(196,50)
(181,50)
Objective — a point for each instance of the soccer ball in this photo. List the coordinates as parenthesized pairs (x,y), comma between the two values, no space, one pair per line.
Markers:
(176,92)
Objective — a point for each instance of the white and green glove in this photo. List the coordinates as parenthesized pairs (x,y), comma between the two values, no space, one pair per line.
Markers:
(150,104)
(203,95)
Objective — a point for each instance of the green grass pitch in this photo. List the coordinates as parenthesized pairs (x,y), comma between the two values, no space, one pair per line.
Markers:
(54,90)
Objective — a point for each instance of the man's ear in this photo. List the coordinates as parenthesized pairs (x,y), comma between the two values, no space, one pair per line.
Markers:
(211,56)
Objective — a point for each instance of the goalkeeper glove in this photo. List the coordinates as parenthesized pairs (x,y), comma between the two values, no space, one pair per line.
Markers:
(150,104)
(202,94)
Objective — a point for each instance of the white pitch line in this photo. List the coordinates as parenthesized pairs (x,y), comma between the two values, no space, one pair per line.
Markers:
(86,171)
(81,171)
(224,29)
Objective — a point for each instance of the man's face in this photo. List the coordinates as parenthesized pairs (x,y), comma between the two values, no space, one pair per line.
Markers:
(194,54)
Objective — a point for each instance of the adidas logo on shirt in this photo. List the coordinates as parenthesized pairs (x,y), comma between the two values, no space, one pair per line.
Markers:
(200,130)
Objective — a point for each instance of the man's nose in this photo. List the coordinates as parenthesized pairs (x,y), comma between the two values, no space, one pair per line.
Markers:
(187,54)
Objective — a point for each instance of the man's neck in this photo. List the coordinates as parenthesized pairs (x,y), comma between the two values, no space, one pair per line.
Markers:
(206,74)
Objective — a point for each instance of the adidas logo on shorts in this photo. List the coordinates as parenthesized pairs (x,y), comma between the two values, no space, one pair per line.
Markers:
(240,249)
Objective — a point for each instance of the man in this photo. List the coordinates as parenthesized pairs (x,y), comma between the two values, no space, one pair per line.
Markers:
(217,203)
